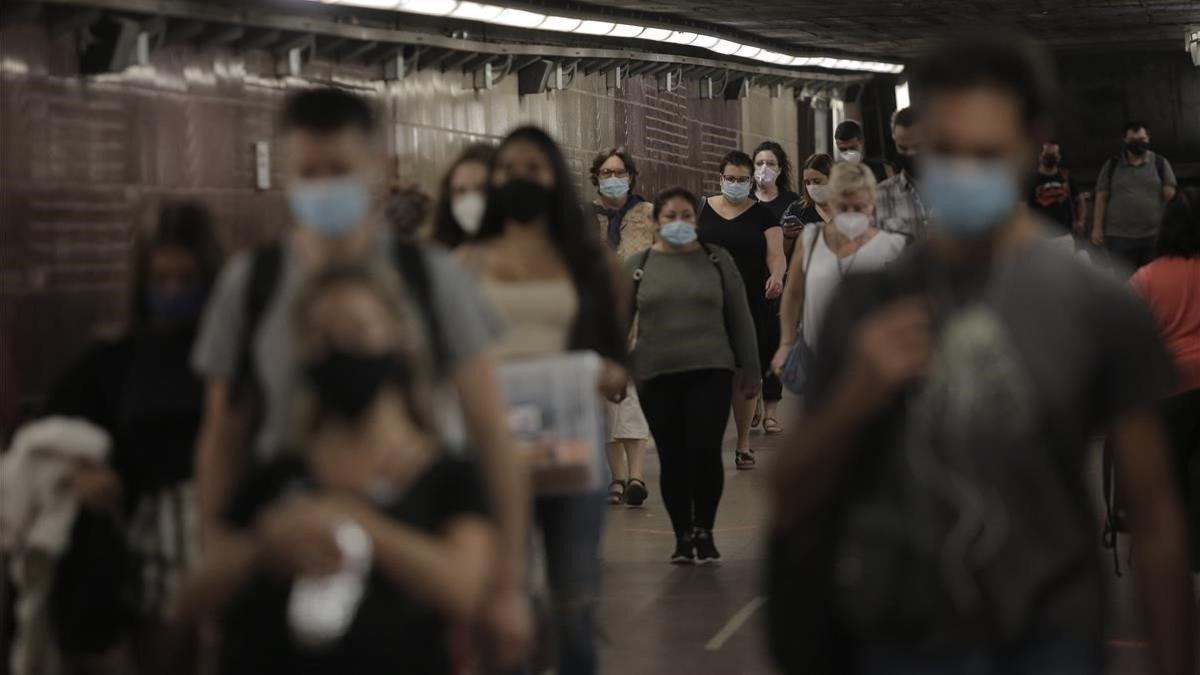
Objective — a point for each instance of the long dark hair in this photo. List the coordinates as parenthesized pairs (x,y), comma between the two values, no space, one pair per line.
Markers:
(597,326)
(1179,232)
(445,228)
(186,225)
(785,165)
(817,162)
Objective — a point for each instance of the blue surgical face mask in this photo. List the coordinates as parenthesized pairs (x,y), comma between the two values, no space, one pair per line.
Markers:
(678,233)
(967,198)
(614,188)
(329,207)
(735,192)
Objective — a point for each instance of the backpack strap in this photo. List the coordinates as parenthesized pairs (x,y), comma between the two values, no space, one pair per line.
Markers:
(414,269)
(1160,166)
(266,268)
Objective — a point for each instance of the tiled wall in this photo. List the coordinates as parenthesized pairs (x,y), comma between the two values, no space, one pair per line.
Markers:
(84,162)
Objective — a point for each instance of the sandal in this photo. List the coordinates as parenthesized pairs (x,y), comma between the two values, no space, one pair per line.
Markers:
(744,459)
(636,492)
(616,496)
(758,414)
(771,426)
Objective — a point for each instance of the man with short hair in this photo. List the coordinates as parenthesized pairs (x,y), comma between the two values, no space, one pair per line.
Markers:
(333,161)
(1130,192)
(898,206)
(852,147)
(934,513)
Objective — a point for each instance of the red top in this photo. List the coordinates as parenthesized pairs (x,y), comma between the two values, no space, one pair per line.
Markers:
(1172,288)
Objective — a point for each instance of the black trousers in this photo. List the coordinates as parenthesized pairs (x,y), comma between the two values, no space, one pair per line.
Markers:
(768,342)
(1181,416)
(687,413)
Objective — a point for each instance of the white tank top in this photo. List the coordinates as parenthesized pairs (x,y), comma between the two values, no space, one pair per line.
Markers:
(825,272)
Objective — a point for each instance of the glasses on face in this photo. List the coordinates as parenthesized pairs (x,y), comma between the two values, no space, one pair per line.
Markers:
(613,173)
(740,180)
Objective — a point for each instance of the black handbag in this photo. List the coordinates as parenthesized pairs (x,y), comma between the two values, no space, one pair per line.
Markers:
(94,592)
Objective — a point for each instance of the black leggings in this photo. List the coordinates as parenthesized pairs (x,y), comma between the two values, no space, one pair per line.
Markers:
(687,413)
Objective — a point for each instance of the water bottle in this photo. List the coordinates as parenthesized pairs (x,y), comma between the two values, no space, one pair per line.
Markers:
(321,608)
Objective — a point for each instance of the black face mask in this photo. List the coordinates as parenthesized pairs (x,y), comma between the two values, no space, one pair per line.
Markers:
(346,383)
(1049,161)
(1137,147)
(907,164)
(522,200)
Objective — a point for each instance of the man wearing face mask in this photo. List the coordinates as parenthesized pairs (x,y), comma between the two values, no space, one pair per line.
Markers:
(1052,195)
(333,161)
(949,412)
(1130,192)
(851,146)
(898,205)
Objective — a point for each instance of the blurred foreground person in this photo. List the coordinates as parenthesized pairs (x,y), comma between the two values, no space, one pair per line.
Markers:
(933,514)
(406,211)
(352,552)
(626,222)
(1171,285)
(462,198)
(332,162)
(547,274)
(138,508)
(693,327)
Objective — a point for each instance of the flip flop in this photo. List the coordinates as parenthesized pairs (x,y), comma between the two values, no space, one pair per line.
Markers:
(616,496)
(758,414)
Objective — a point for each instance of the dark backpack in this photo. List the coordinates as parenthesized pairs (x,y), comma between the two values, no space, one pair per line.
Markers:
(1110,165)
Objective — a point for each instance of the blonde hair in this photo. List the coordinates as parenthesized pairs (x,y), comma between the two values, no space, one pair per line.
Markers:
(850,178)
(412,345)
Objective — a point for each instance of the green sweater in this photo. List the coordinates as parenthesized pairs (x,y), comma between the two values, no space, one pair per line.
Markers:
(684,323)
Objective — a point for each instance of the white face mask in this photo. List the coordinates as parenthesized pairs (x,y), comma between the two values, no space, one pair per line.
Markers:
(819,193)
(850,155)
(852,224)
(468,209)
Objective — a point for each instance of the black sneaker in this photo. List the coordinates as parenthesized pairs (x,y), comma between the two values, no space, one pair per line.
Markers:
(684,553)
(706,550)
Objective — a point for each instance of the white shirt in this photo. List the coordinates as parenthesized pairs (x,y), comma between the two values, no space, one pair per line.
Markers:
(825,271)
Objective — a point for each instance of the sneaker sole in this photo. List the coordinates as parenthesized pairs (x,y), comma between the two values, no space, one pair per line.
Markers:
(709,562)
(683,561)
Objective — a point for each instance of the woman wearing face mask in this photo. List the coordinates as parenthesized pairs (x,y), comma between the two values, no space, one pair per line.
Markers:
(140,388)
(826,254)
(814,211)
(694,327)
(754,238)
(355,553)
(462,198)
(626,222)
(552,281)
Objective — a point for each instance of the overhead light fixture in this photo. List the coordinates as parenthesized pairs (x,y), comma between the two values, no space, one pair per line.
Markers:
(430,7)
(656,34)
(590,27)
(747,52)
(520,18)
(705,41)
(475,11)
(726,47)
(373,4)
(625,30)
(559,23)
(682,38)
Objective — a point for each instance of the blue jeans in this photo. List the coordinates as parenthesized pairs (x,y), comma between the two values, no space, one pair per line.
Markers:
(1033,657)
(571,527)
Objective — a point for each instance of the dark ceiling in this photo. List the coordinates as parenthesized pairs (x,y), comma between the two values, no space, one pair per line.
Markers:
(895,28)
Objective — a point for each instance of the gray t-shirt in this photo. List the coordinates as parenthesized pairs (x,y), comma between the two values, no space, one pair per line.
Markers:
(967,519)
(468,326)
(1135,204)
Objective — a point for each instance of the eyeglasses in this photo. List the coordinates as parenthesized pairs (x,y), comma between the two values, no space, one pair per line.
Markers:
(740,180)
(613,173)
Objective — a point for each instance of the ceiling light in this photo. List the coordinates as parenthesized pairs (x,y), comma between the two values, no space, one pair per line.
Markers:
(681,38)
(705,41)
(626,30)
(374,4)
(801,61)
(476,12)
(747,52)
(726,47)
(656,34)
(519,18)
(559,23)
(430,7)
(594,27)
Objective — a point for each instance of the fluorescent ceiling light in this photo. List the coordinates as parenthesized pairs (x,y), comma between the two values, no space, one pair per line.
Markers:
(772,57)
(726,47)
(559,23)
(681,38)
(626,30)
(747,52)
(594,27)
(519,18)
(705,41)
(376,4)
(430,7)
(656,34)
(476,12)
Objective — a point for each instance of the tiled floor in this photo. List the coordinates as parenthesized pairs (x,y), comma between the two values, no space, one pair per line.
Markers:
(657,619)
